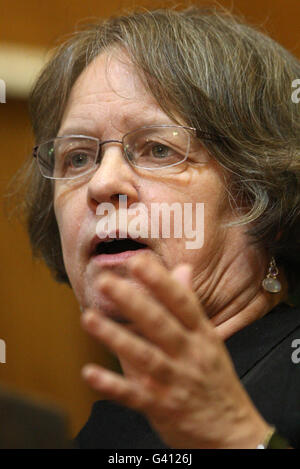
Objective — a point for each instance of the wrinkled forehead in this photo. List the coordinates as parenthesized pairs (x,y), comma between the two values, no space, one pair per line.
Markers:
(109,70)
(111,78)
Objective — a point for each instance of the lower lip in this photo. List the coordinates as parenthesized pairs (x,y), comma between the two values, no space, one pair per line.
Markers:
(114,259)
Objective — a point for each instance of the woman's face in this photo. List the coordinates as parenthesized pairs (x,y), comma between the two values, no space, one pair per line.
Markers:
(107,101)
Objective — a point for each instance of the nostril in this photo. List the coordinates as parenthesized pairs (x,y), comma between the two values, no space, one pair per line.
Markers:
(117,197)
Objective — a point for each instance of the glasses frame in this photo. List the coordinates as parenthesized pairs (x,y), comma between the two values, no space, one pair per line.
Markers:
(197,133)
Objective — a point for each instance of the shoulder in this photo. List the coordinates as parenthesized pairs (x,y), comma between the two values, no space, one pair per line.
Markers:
(270,334)
(267,359)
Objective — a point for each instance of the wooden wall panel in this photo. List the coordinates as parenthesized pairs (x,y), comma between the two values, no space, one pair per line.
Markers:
(40,22)
(39,319)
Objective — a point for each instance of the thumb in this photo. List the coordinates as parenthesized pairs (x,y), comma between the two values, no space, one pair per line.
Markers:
(183,274)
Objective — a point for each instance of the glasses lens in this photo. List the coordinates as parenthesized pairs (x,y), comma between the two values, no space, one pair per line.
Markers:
(156,147)
(67,157)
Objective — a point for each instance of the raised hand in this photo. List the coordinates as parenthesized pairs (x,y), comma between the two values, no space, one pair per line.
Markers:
(177,369)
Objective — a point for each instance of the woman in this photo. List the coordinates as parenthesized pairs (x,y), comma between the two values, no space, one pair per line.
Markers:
(183,108)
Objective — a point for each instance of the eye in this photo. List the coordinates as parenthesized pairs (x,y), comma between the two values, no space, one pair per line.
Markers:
(78,160)
(74,163)
(160,151)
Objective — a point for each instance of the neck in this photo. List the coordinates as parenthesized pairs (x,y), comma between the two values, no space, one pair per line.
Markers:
(227,322)
(248,301)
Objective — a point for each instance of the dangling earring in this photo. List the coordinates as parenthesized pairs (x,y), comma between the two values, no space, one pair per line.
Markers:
(270,282)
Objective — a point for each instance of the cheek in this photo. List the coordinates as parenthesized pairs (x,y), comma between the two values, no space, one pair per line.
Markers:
(194,186)
(70,219)
(69,215)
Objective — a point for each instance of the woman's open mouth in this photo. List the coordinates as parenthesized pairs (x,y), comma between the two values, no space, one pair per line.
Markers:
(116,250)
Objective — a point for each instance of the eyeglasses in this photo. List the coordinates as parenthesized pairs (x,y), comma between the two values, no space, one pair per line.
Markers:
(151,148)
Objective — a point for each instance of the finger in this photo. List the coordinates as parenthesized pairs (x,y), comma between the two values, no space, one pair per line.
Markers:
(180,300)
(143,356)
(148,316)
(183,275)
(116,387)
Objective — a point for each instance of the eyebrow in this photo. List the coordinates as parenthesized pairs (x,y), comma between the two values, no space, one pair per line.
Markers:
(133,123)
(77,131)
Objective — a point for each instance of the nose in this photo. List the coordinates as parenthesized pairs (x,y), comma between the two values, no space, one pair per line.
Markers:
(114,177)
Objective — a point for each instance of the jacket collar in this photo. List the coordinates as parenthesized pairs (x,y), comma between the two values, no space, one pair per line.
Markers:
(249,345)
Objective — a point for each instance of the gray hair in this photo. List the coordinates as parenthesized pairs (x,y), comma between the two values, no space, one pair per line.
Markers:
(218,75)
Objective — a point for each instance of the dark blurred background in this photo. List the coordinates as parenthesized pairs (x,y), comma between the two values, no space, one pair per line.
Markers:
(39,319)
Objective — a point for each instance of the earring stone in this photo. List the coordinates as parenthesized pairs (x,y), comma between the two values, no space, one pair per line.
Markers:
(270,282)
